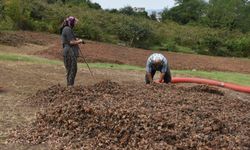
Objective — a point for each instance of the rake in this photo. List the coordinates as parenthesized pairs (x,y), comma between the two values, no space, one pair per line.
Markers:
(82,56)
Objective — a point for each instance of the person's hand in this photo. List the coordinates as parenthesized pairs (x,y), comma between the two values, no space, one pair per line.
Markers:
(80,41)
(159,81)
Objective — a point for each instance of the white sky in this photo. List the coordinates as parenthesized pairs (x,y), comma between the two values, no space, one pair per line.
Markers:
(148,4)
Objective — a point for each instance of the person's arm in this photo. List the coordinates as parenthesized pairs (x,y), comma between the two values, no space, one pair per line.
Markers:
(76,42)
(163,72)
(71,38)
(149,77)
(149,70)
(161,80)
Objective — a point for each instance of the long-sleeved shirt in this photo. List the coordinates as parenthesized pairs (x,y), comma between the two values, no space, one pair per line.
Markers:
(150,66)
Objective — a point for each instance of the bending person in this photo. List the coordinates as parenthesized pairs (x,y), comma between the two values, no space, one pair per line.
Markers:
(157,62)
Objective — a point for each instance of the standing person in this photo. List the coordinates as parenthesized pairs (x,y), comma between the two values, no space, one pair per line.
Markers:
(157,62)
(70,48)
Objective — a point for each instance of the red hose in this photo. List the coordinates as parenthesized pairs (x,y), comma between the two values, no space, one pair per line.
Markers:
(245,89)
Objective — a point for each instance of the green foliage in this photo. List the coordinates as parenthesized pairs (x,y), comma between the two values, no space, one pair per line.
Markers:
(133,34)
(237,78)
(227,13)
(243,20)
(240,46)
(230,14)
(128,10)
(137,29)
(6,23)
(89,31)
(13,10)
(2,14)
(169,45)
(38,10)
(186,11)
(112,10)
(153,16)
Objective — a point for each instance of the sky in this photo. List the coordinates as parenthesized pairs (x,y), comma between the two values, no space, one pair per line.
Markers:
(148,4)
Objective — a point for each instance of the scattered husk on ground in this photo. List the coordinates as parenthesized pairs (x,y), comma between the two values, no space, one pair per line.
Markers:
(137,116)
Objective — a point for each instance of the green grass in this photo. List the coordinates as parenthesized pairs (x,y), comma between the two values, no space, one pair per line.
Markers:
(39,60)
(186,50)
(26,58)
(232,77)
(238,78)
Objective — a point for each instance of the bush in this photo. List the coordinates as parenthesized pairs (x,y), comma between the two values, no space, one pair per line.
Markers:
(214,44)
(134,34)
(239,47)
(133,30)
(170,45)
(89,31)
(6,24)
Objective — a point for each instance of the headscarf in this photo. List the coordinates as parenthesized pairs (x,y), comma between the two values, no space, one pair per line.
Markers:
(70,21)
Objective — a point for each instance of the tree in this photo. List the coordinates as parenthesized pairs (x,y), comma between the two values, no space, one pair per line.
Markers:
(243,20)
(186,11)
(2,14)
(112,10)
(94,5)
(164,15)
(153,16)
(13,10)
(225,13)
(133,34)
(128,10)
(77,2)
(38,10)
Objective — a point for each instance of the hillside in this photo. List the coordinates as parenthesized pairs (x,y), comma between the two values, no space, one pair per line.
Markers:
(111,53)
(121,27)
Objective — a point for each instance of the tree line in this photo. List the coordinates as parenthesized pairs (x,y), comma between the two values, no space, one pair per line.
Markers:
(217,27)
(230,14)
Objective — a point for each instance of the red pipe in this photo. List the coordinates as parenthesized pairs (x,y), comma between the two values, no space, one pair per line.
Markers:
(245,89)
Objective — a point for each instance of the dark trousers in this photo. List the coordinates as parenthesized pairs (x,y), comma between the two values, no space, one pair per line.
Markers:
(70,63)
(167,77)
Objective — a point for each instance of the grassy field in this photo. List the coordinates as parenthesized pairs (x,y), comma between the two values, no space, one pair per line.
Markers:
(238,78)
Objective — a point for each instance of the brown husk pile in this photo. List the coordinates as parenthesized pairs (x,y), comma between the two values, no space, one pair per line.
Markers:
(112,116)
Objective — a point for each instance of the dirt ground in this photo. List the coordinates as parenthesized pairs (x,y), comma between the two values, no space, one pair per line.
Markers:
(20,80)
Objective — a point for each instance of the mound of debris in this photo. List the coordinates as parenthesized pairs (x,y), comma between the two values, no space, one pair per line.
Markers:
(137,116)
